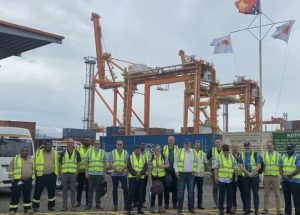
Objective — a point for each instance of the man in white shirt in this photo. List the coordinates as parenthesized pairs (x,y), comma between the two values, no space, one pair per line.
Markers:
(186,164)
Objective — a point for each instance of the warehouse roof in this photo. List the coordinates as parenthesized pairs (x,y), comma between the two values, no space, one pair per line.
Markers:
(16,39)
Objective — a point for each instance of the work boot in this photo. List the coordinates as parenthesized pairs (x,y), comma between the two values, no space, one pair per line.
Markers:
(160,209)
(175,206)
(12,212)
(29,211)
(200,207)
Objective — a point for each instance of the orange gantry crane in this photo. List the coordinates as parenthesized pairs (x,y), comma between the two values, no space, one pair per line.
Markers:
(202,90)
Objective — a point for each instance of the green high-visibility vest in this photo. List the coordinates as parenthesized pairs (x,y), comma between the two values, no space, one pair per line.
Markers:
(202,157)
(226,166)
(271,164)
(69,164)
(137,164)
(39,162)
(289,165)
(157,169)
(17,171)
(166,150)
(119,161)
(83,152)
(181,158)
(96,163)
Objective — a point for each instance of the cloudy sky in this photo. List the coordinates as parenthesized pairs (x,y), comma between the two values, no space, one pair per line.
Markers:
(46,85)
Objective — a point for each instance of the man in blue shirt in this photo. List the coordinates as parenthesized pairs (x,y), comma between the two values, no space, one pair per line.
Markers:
(290,172)
(250,165)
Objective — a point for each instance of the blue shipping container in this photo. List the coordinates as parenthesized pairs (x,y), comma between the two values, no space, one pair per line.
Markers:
(206,140)
(115,131)
(76,132)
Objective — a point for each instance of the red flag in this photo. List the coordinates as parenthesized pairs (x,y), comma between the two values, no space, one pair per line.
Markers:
(248,6)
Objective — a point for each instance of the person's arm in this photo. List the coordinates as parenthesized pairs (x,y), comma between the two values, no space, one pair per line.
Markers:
(209,155)
(78,160)
(126,158)
(130,169)
(216,170)
(167,164)
(60,160)
(258,164)
(175,165)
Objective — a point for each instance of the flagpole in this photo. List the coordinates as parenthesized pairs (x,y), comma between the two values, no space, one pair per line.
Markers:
(260,82)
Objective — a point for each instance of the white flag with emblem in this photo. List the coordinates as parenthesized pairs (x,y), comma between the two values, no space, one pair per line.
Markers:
(222,45)
(283,31)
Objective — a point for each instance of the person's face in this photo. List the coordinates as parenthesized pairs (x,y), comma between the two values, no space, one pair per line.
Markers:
(187,146)
(97,145)
(290,150)
(137,152)
(142,146)
(157,150)
(24,152)
(70,143)
(225,152)
(235,148)
(119,144)
(87,142)
(247,148)
(269,146)
(218,144)
(197,146)
(171,141)
(48,146)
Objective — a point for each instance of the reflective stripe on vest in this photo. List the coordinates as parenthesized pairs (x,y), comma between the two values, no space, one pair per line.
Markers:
(166,150)
(252,161)
(202,157)
(137,164)
(271,164)
(289,165)
(226,168)
(157,166)
(83,152)
(96,163)
(181,158)
(118,161)
(69,165)
(39,162)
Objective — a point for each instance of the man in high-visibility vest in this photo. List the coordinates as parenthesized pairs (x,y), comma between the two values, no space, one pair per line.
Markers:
(186,164)
(250,164)
(290,172)
(225,168)
(137,167)
(239,183)
(96,163)
(199,177)
(46,171)
(146,155)
(118,164)
(272,161)
(169,151)
(212,156)
(21,172)
(81,179)
(69,162)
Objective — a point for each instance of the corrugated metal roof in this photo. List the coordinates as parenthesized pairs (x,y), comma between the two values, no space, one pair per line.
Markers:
(16,39)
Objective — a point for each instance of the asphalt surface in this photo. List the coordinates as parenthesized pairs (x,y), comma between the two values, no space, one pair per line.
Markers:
(107,204)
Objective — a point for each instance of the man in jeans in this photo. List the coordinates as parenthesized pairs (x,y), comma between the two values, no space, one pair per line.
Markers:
(186,164)
(118,164)
(69,161)
(250,165)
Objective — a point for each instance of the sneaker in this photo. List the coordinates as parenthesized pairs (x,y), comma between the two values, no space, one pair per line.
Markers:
(200,207)
(29,211)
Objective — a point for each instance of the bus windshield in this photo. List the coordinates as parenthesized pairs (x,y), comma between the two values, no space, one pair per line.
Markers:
(12,147)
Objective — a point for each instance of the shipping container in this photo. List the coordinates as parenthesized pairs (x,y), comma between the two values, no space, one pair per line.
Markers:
(288,125)
(161,131)
(115,131)
(31,126)
(206,140)
(78,133)
(296,125)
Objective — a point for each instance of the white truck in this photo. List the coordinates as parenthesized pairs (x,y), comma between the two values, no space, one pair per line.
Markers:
(11,141)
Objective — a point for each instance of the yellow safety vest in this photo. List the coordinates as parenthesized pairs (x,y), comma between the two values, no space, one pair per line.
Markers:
(214,155)
(202,157)
(252,161)
(239,170)
(157,169)
(118,161)
(39,162)
(181,158)
(271,164)
(289,165)
(96,163)
(17,171)
(137,164)
(166,150)
(82,151)
(226,166)
(69,165)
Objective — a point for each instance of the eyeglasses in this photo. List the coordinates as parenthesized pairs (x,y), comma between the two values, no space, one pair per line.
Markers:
(120,144)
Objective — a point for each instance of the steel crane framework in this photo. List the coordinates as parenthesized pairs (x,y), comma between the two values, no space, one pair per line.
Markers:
(202,94)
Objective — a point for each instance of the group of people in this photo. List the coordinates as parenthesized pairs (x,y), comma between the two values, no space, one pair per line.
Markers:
(170,169)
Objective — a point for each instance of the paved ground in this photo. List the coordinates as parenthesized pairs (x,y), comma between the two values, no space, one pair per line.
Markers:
(106,202)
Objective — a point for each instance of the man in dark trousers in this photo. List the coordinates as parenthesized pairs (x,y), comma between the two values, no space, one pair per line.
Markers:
(137,167)
(169,151)
(21,172)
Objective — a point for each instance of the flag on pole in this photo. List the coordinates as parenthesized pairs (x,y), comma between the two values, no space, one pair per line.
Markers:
(222,45)
(283,31)
(248,6)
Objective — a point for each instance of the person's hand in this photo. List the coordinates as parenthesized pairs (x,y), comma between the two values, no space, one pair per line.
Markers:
(250,174)
(284,178)
(177,175)
(138,174)
(87,175)
(216,180)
